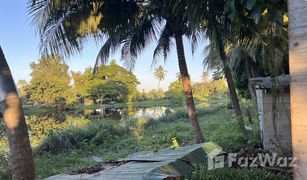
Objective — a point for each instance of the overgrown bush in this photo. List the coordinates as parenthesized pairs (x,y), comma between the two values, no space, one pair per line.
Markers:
(40,127)
(98,133)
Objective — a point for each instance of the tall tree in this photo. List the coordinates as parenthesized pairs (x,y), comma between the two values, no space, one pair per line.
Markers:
(21,158)
(210,17)
(160,74)
(110,91)
(85,83)
(133,28)
(50,81)
(298,72)
(232,21)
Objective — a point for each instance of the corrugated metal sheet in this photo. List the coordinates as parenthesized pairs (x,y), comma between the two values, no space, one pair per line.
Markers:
(147,165)
(282,81)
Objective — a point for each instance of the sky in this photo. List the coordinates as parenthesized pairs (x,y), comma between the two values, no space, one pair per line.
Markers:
(19,42)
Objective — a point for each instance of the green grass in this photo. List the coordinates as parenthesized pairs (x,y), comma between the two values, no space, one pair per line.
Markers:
(216,123)
(202,173)
(71,148)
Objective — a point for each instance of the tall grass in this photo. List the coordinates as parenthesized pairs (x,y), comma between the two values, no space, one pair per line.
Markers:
(97,133)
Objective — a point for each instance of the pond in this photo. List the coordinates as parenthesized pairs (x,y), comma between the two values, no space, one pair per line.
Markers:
(42,125)
(124,113)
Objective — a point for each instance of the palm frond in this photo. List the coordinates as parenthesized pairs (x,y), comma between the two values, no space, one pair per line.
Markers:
(136,40)
(195,36)
(164,44)
(110,46)
(212,59)
(51,16)
(65,25)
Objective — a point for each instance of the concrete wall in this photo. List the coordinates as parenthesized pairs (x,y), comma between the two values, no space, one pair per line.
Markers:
(283,124)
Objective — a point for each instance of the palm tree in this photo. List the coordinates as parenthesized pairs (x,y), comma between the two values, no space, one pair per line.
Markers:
(136,25)
(21,158)
(210,17)
(160,74)
(222,32)
(216,38)
(259,54)
(298,72)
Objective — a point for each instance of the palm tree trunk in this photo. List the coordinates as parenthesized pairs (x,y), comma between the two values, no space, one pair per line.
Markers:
(230,82)
(21,158)
(298,70)
(249,75)
(159,84)
(188,89)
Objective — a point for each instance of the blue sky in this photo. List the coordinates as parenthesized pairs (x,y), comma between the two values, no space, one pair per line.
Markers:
(19,42)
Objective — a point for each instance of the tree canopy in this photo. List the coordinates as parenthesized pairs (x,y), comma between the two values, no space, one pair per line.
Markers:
(88,84)
(50,81)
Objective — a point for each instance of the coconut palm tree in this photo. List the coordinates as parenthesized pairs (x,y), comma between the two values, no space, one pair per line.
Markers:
(298,72)
(210,17)
(159,74)
(260,54)
(136,24)
(21,158)
(220,19)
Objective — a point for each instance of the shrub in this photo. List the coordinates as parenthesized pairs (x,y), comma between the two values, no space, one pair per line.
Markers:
(41,127)
(103,137)
(73,137)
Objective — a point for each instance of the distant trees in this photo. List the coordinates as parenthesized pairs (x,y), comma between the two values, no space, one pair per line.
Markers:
(201,89)
(160,74)
(175,92)
(110,91)
(50,81)
(83,82)
(22,87)
(155,94)
(206,88)
(64,26)
(94,86)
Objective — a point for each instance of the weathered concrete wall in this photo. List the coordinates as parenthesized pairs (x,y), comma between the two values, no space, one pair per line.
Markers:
(283,125)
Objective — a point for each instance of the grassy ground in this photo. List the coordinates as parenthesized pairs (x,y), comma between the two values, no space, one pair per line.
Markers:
(71,148)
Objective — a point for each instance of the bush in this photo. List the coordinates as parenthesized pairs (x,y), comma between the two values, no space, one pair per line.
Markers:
(103,137)
(41,127)
(97,133)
